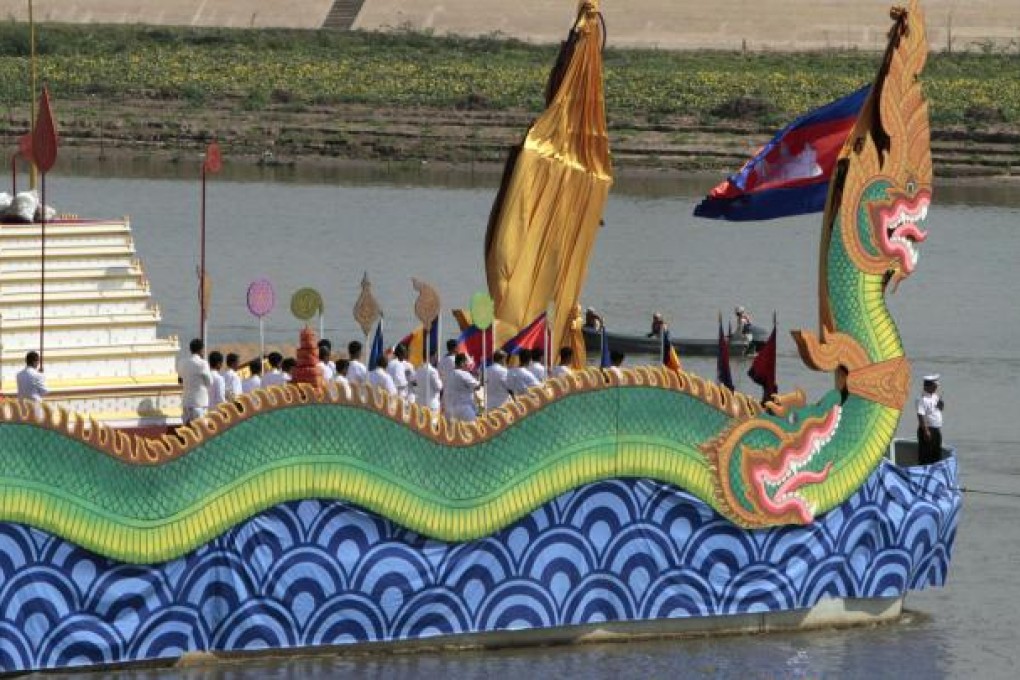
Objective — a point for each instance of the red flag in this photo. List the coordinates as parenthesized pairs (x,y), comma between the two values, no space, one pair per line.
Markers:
(44,136)
(213,159)
(763,369)
(532,336)
(722,365)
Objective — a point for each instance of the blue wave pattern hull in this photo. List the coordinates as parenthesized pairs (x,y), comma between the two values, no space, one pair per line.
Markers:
(314,573)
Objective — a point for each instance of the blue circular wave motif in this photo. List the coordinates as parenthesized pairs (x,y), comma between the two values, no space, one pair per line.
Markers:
(326,572)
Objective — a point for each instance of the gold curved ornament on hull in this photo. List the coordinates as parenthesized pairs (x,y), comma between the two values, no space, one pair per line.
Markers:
(547,215)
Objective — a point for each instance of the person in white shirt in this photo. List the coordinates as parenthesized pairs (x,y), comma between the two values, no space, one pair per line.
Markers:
(275,376)
(232,388)
(428,385)
(929,422)
(31,381)
(460,389)
(357,373)
(519,379)
(448,362)
(340,376)
(380,379)
(616,360)
(288,368)
(402,372)
(254,380)
(566,359)
(536,366)
(325,363)
(217,388)
(496,393)
(196,378)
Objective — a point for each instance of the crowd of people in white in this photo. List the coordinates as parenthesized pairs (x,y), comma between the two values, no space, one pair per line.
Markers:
(450,385)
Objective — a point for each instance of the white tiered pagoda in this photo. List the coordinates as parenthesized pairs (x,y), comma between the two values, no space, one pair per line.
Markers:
(102,355)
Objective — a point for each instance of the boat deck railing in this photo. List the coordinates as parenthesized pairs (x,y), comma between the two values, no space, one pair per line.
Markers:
(903,452)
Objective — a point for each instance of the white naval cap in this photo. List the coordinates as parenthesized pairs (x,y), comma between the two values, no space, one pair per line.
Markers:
(932,378)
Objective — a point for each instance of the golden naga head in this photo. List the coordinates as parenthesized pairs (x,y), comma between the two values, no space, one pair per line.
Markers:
(886,160)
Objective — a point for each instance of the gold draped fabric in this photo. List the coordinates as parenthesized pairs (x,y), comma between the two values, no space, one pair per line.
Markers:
(547,215)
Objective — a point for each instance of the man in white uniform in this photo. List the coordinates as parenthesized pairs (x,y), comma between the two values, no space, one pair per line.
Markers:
(402,372)
(929,422)
(325,363)
(196,378)
(566,359)
(616,360)
(446,366)
(232,388)
(217,388)
(379,378)
(428,385)
(275,375)
(536,366)
(31,381)
(496,393)
(460,390)
(519,379)
(357,373)
(254,380)
(340,376)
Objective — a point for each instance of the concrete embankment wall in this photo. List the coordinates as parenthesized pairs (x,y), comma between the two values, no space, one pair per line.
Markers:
(668,24)
(686,24)
(228,13)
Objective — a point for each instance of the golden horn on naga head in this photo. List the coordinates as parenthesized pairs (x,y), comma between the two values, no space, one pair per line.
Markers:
(888,157)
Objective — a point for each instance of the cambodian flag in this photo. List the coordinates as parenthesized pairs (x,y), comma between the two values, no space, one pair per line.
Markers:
(415,343)
(532,336)
(789,175)
(476,344)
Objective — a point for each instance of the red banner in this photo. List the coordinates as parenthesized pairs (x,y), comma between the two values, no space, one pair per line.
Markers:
(213,159)
(44,137)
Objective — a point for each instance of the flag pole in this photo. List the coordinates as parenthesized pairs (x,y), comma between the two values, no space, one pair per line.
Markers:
(485,353)
(201,267)
(485,388)
(262,337)
(775,363)
(428,374)
(439,343)
(42,268)
(33,170)
(550,329)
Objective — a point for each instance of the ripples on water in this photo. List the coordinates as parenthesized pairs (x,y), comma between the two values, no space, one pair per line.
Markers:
(956,315)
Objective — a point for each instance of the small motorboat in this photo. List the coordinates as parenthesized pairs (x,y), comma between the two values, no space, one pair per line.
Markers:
(652,345)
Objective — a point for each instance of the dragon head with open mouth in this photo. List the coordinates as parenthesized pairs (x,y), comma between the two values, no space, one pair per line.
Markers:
(887,160)
(767,464)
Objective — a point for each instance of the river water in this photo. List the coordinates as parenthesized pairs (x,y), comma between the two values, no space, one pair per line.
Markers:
(956,314)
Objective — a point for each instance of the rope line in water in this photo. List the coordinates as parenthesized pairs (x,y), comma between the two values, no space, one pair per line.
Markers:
(1008,494)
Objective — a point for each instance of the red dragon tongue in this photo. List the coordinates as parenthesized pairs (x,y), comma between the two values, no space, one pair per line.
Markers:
(802,478)
(787,501)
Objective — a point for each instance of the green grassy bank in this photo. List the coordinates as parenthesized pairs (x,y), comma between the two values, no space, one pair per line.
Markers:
(298,70)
